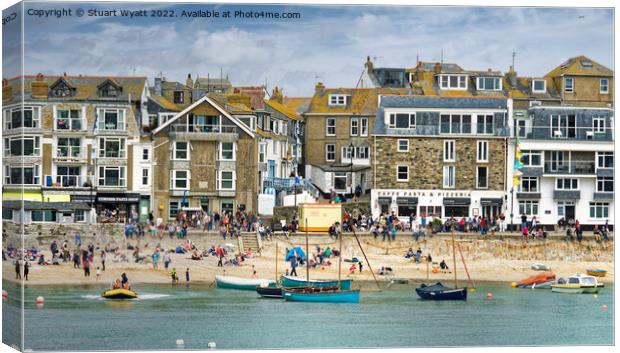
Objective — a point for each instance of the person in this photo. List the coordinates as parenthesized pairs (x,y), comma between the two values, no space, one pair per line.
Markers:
(117,284)
(167,259)
(253,271)
(360,267)
(98,273)
(409,253)
(352,269)
(173,274)
(294,265)
(18,269)
(523,221)
(86,265)
(26,270)
(124,281)
(187,275)
(443,265)
(525,232)
(103,256)
(578,232)
(155,258)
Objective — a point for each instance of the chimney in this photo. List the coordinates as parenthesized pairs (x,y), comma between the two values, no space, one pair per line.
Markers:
(512,76)
(437,68)
(319,88)
(7,90)
(157,86)
(39,87)
(189,82)
(369,65)
(277,95)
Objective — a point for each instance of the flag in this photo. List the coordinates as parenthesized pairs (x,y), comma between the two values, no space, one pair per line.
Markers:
(516,179)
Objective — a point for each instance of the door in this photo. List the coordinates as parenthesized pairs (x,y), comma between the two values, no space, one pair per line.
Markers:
(569,211)
(272,168)
(557,161)
(490,211)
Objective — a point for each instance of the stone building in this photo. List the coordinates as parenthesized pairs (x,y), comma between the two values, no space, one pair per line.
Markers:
(440,156)
(70,140)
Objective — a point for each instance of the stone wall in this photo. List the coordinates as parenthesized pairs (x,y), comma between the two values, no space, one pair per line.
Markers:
(40,235)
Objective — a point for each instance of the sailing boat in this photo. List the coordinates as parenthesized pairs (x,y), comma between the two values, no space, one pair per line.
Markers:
(322,294)
(438,291)
(273,290)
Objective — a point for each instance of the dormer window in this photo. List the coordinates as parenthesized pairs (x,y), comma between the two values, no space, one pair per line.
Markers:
(539,86)
(337,99)
(489,84)
(109,89)
(453,82)
(179,97)
(61,89)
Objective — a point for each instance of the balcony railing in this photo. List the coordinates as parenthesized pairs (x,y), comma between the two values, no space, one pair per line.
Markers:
(66,125)
(111,126)
(112,154)
(69,151)
(206,128)
(65,181)
(574,167)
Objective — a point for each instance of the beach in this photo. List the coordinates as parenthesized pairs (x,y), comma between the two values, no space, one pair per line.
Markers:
(485,260)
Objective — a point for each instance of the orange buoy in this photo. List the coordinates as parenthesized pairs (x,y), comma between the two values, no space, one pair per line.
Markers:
(489,295)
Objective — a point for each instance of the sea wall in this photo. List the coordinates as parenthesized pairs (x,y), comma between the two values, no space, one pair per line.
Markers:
(42,234)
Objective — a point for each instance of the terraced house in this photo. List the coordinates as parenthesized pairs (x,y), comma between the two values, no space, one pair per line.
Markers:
(71,142)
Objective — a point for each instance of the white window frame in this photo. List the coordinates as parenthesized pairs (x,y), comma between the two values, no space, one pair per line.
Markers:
(484,119)
(604,155)
(262,152)
(221,151)
(121,120)
(147,152)
(606,90)
(122,153)
(569,88)
(598,125)
(482,151)
(531,204)
(36,174)
(363,126)
(531,153)
(122,172)
(346,153)
(328,152)
(354,127)
(337,99)
(461,82)
(529,180)
(174,177)
(486,182)
(562,187)
(175,149)
(220,179)
(604,209)
(36,143)
(362,152)
(398,145)
(36,117)
(449,151)
(497,81)
(398,173)
(534,90)
(81,113)
(392,121)
(145,176)
(449,177)
(329,126)
(600,184)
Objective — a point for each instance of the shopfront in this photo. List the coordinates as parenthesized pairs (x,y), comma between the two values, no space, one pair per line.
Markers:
(491,207)
(456,207)
(407,206)
(123,206)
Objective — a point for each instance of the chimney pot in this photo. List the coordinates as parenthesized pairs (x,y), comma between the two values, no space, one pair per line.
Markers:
(319,88)
(437,68)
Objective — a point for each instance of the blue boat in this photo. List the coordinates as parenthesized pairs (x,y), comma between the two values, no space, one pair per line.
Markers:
(325,295)
(438,291)
(293,282)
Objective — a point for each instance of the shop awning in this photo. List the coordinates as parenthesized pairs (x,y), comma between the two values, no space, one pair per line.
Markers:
(456,201)
(26,195)
(384,200)
(412,201)
(491,201)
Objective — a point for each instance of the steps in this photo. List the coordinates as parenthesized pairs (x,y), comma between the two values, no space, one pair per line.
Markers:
(250,241)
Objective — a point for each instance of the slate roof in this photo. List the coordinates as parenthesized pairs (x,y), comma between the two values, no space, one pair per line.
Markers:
(174,86)
(522,89)
(360,101)
(578,66)
(256,94)
(164,103)
(45,206)
(409,101)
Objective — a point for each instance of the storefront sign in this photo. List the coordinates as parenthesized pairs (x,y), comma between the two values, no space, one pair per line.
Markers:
(407,200)
(384,200)
(423,193)
(83,198)
(456,201)
(118,198)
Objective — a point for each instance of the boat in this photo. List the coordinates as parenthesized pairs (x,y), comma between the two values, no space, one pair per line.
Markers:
(291,282)
(321,295)
(438,291)
(576,284)
(597,272)
(231,282)
(541,281)
(272,290)
(119,293)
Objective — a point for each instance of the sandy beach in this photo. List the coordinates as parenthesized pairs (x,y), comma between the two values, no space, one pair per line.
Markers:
(491,260)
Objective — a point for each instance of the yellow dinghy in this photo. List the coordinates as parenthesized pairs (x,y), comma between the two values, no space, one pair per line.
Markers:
(119,293)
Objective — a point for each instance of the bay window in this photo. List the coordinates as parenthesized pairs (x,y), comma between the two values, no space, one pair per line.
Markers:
(68,119)
(28,117)
(22,175)
(111,119)
(22,146)
(111,147)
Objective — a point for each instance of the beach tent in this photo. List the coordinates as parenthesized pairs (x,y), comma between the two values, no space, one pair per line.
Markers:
(296,250)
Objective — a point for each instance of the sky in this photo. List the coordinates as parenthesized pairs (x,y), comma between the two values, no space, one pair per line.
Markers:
(327,43)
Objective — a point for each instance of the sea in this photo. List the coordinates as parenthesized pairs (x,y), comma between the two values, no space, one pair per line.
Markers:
(198,316)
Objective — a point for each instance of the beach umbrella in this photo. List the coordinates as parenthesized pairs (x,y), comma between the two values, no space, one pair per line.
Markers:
(296,251)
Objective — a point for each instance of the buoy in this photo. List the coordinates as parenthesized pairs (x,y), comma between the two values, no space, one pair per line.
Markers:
(513,284)
(180,342)
(489,295)
(595,296)
(40,300)
(211,344)
(604,307)
(5,295)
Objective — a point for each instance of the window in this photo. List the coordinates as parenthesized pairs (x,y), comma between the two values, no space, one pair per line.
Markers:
(448,176)
(568,84)
(355,128)
(567,184)
(111,119)
(453,81)
(402,121)
(363,126)
(227,151)
(145,176)
(482,177)
(346,153)
(179,179)
(22,146)
(61,89)
(531,158)
(179,97)
(539,86)
(448,151)
(78,216)
(111,176)
(330,127)
(362,152)
(563,126)
(528,207)
(485,124)
(605,160)
(262,151)
(68,119)
(489,83)
(403,145)
(520,128)
(110,147)
(180,150)
(227,180)
(67,176)
(402,173)
(599,209)
(43,216)
(430,211)
(108,90)
(529,184)
(22,175)
(598,125)
(145,154)
(340,181)
(27,118)
(71,147)
(605,184)
(604,86)
(330,152)
(174,209)
(337,99)
(483,151)
(7,213)
(455,124)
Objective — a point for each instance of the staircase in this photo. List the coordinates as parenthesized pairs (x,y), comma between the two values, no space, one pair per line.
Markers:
(250,240)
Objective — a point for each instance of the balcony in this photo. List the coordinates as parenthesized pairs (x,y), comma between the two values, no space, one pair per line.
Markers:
(69,152)
(204,132)
(572,167)
(111,127)
(65,181)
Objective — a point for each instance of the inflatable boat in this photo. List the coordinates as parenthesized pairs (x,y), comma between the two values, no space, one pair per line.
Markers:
(119,294)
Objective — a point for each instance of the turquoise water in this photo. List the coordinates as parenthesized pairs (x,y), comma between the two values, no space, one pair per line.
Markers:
(76,318)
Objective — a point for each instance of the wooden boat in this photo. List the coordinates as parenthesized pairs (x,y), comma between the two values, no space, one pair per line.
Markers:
(576,284)
(321,295)
(290,282)
(272,290)
(438,291)
(541,281)
(231,282)
(597,272)
(119,293)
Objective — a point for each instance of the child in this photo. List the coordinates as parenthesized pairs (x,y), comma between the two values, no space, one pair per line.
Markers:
(352,269)
(187,275)
(173,274)
(253,272)
(98,273)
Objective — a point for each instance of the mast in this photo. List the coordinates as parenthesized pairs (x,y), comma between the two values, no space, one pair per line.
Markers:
(339,260)
(366,258)
(307,254)
(456,283)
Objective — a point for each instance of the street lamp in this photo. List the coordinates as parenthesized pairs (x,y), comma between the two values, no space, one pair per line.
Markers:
(351,147)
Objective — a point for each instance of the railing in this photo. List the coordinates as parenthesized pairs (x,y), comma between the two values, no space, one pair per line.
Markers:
(112,154)
(288,184)
(69,151)
(75,125)
(67,181)
(574,167)
(195,128)
(111,126)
